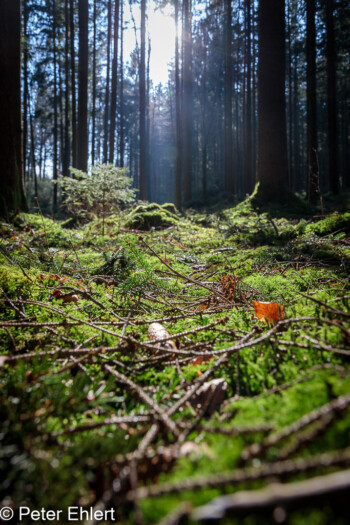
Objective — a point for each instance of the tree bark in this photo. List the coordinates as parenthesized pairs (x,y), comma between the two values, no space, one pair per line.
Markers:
(187,100)
(142,89)
(177,112)
(229,177)
(55,109)
(106,113)
(122,109)
(66,151)
(25,83)
(333,173)
(73,86)
(114,83)
(11,166)
(93,131)
(272,139)
(82,150)
(312,164)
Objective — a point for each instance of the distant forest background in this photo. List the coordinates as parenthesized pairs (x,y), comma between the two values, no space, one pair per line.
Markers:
(196,139)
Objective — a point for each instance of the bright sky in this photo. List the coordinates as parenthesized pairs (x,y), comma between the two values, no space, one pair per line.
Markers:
(161,27)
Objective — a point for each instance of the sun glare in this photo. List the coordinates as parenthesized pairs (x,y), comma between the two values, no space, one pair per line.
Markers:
(162,33)
(161,28)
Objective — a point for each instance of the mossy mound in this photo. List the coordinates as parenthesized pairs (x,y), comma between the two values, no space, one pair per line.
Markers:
(147,216)
(335,223)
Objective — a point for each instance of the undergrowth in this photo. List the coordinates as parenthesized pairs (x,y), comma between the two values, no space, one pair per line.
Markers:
(75,310)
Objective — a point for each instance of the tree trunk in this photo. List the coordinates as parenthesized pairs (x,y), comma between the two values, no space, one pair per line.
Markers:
(272,139)
(177,112)
(122,114)
(114,84)
(248,161)
(106,113)
(333,172)
(32,144)
(25,83)
(66,150)
(55,109)
(187,100)
(142,88)
(73,87)
(83,85)
(11,166)
(312,164)
(229,178)
(93,131)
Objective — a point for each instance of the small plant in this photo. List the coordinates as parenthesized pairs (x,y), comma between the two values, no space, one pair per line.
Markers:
(100,194)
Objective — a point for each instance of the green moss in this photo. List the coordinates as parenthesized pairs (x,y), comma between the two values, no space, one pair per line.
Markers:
(335,223)
(145,217)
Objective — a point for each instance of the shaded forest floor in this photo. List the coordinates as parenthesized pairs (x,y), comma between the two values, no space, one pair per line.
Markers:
(98,412)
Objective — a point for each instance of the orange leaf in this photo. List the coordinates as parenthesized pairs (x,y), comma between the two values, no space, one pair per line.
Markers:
(203,307)
(269,311)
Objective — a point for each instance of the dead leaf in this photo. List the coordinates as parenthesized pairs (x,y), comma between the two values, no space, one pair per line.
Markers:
(270,312)
(66,298)
(229,285)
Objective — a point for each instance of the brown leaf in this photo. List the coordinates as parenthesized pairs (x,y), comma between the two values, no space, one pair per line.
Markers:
(229,285)
(270,312)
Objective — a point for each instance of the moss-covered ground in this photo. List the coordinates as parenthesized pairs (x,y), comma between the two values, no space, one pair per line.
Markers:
(96,413)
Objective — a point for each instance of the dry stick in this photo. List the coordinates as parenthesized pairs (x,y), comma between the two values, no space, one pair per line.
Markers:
(190,332)
(34,324)
(197,419)
(153,431)
(8,300)
(287,495)
(266,470)
(65,314)
(10,336)
(330,308)
(134,420)
(327,348)
(138,520)
(144,397)
(307,377)
(337,405)
(17,263)
(184,277)
(318,429)
(87,295)
(236,431)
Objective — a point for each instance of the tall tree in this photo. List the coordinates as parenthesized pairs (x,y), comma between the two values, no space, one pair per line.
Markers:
(122,109)
(114,83)
(66,148)
(73,87)
(55,104)
(106,112)
(312,163)
(142,89)
(229,177)
(187,99)
(333,173)
(25,81)
(177,111)
(93,131)
(11,166)
(272,170)
(82,152)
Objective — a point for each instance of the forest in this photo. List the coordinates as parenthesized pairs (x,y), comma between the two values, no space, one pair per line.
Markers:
(175,261)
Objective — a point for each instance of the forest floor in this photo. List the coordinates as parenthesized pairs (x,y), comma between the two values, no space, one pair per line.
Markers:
(98,410)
